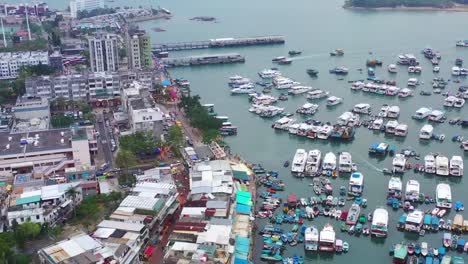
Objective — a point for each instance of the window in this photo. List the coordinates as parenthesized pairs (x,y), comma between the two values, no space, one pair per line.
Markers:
(22,219)
(37,217)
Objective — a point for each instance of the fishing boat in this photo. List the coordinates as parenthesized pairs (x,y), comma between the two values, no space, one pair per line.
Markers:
(311,238)
(333,100)
(353,214)
(442,165)
(443,196)
(327,238)
(317,94)
(356,184)
(456,166)
(399,163)
(395,187)
(337,52)
(299,161)
(412,190)
(329,162)
(345,163)
(294,52)
(312,72)
(313,162)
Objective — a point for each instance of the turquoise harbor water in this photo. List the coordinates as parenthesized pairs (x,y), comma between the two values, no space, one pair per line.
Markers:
(316,28)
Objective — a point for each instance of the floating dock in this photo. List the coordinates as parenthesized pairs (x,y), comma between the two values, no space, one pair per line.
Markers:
(203,60)
(219,43)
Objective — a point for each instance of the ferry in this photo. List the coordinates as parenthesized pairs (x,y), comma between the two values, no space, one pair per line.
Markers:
(345,163)
(313,162)
(362,108)
(443,196)
(308,109)
(414,221)
(311,239)
(333,100)
(442,165)
(327,239)
(393,111)
(329,162)
(412,190)
(392,68)
(317,94)
(356,184)
(379,227)
(395,186)
(422,113)
(429,164)
(399,163)
(353,214)
(268,73)
(299,161)
(296,90)
(401,130)
(391,126)
(456,166)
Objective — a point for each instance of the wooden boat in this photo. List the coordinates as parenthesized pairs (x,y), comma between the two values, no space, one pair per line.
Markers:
(345,246)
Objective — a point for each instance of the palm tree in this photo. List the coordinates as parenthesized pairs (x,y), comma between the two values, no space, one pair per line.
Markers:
(72,193)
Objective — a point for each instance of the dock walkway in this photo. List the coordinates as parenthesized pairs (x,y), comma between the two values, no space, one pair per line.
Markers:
(219,43)
(203,60)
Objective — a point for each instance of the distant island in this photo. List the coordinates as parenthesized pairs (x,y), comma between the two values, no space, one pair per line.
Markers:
(455,5)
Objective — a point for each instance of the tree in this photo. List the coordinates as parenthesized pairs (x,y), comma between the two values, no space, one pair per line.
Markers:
(125,159)
(176,137)
(72,193)
(210,135)
(139,143)
(61,103)
(61,121)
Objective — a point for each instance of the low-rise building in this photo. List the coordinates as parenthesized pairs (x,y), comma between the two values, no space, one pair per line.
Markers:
(11,62)
(31,114)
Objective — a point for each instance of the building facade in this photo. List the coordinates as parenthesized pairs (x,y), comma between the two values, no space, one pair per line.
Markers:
(104,52)
(11,62)
(81,5)
(139,49)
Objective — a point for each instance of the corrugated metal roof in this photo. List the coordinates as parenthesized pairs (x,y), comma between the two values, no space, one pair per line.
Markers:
(146,203)
(30,199)
(121,225)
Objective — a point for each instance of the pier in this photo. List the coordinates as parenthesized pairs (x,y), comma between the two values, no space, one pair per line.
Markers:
(219,43)
(203,60)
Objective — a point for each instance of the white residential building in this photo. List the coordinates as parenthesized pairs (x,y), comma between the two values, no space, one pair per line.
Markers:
(104,52)
(81,5)
(11,62)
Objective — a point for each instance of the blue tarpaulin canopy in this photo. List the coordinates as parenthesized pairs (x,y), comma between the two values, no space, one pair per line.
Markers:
(166,83)
(243,209)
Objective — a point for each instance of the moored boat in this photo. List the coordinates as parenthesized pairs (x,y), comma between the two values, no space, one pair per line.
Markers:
(327,238)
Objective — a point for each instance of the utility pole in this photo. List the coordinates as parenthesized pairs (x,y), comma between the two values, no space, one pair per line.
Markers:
(27,22)
(3,28)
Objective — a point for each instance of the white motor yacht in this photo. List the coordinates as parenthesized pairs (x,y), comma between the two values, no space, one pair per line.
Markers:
(345,162)
(357,85)
(422,113)
(384,111)
(413,82)
(459,102)
(314,160)
(442,165)
(401,130)
(283,123)
(242,90)
(450,101)
(436,116)
(393,111)
(329,162)
(333,100)
(456,166)
(443,196)
(456,71)
(317,94)
(392,68)
(391,126)
(308,109)
(377,124)
(324,132)
(299,161)
(412,190)
(296,90)
(269,73)
(429,164)
(399,163)
(362,108)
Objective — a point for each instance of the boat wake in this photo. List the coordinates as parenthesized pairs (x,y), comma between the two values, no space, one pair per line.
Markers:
(368,163)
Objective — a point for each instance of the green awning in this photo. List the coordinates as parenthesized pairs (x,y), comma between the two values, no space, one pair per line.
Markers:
(26,200)
(401,252)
